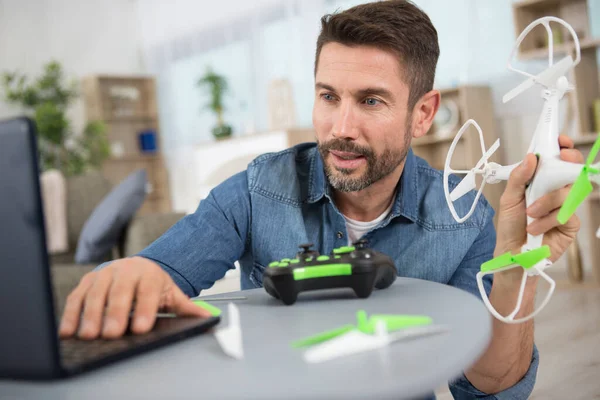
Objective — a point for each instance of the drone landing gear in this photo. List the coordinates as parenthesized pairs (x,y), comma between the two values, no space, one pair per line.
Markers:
(533,263)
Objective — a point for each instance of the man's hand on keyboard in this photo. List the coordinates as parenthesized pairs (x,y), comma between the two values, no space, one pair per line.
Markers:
(101,304)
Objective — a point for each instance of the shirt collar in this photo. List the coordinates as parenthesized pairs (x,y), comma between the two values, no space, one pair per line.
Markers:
(407,195)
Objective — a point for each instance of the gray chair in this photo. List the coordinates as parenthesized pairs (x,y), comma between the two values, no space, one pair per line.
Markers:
(84,193)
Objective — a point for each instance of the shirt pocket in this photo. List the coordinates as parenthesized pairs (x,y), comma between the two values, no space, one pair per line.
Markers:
(256,275)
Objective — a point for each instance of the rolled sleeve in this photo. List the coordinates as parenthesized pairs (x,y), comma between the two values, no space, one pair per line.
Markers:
(462,389)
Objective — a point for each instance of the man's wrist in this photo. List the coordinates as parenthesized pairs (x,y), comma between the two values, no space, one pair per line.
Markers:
(509,281)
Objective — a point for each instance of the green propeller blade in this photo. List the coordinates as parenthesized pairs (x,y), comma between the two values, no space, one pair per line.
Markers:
(324,336)
(367,325)
(581,188)
(395,322)
(525,260)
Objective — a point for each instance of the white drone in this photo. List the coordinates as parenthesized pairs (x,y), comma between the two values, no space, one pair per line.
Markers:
(552,173)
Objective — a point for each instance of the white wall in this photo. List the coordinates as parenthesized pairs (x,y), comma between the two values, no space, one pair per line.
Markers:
(165,20)
(87,37)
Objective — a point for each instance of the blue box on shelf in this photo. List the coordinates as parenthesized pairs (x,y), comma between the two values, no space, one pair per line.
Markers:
(147,141)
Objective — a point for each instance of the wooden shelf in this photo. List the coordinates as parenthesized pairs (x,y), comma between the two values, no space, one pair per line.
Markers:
(563,49)
(585,139)
(128,107)
(431,140)
(449,92)
(539,3)
(136,158)
(130,118)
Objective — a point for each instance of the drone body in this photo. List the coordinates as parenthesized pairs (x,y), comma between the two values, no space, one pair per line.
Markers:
(551,173)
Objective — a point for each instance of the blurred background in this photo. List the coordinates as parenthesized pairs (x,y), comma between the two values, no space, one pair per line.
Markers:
(192,90)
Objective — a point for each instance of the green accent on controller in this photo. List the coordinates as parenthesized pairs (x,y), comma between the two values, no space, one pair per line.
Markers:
(337,257)
(322,258)
(525,260)
(285,260)
(274,264)
(343,250)
(283,264)
(294,261)
(321,271)
(214,311)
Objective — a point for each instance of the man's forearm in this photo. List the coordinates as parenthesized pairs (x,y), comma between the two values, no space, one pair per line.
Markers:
(508,356)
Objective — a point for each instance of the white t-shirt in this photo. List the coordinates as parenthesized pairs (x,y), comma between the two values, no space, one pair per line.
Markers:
(356,229)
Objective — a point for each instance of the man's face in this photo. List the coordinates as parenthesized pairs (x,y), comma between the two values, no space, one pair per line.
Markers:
(360,115)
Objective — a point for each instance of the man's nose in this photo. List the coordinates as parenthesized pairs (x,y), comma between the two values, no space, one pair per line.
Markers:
(344,125)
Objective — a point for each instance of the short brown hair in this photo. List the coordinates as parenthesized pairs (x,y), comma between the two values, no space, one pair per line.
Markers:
(393,25)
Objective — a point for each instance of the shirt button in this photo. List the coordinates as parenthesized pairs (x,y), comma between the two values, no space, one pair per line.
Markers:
(340,235)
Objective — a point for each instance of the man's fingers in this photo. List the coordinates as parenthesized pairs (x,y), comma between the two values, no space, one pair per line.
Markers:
(544,224)
(572,155)
(120,299)
(548,203)
(183,306)
(519,177)
(93,308)
(147,300)
(565,142)
(73,306)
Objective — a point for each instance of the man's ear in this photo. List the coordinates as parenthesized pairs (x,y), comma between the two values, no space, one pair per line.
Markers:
(424,112)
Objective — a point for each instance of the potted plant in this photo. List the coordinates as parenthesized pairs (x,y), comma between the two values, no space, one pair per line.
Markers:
(216,86)
(46,101)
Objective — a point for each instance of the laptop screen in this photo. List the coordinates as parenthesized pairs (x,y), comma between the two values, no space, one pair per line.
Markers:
(28,340)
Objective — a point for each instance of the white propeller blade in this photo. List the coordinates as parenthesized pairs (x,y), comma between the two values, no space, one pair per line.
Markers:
(230,337)
(548,78)
(468,183)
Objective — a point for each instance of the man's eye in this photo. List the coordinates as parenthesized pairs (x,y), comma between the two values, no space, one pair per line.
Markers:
(327,97)
(371,101)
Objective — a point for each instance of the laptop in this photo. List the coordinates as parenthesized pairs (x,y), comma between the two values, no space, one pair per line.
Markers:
(30,348)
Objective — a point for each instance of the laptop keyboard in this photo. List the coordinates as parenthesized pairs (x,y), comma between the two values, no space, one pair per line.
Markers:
(75,351)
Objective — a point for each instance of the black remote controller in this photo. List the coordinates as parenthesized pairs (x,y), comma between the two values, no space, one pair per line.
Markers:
(356,267)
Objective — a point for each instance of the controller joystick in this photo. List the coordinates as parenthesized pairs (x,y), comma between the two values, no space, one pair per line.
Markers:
(306,251)
(360,243)
(356,267)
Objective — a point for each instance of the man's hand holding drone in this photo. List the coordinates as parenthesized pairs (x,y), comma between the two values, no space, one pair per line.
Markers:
(536,216)
(512,227)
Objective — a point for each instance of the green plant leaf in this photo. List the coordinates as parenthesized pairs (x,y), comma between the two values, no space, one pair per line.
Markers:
(51,122)
(47,98)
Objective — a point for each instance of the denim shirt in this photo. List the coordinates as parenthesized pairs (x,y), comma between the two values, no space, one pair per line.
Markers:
(283,199)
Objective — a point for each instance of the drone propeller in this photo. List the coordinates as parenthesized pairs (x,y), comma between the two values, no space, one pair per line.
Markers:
(548,78)
(553,76)
(582,186)
(391,322)
(491,172)
(468,182)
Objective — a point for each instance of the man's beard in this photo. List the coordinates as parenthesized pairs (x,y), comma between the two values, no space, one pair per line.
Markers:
(378,167)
